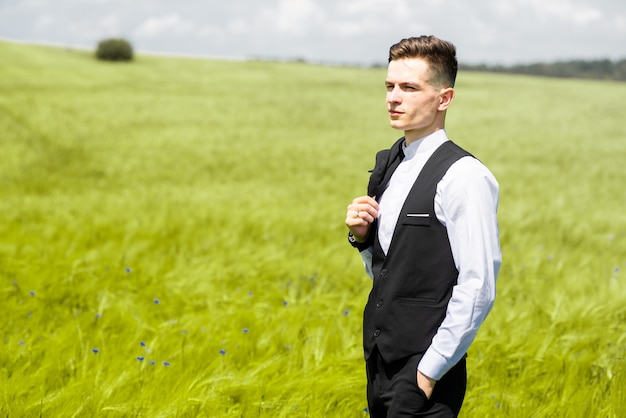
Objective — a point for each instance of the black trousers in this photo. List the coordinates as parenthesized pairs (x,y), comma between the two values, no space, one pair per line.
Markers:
(392,390)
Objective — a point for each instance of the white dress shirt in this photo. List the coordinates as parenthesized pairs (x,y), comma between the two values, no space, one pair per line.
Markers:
(466,203)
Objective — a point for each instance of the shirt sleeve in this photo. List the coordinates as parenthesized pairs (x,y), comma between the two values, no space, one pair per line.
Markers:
(466,204)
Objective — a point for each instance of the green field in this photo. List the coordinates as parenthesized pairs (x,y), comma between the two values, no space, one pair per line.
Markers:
(172,240)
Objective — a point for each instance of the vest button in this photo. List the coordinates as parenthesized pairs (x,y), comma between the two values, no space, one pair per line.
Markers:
(379,304)
(383,272)
(376,333)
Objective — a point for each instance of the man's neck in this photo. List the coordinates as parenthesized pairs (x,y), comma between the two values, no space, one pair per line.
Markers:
(412,136)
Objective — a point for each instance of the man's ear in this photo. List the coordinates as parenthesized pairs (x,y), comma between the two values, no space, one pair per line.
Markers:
(445,100)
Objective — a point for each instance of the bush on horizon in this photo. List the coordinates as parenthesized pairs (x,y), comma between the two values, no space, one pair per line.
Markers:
(114,49)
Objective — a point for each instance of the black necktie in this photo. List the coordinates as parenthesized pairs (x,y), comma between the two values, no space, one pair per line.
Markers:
(396,156)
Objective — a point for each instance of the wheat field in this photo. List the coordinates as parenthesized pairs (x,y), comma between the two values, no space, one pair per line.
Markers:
(172,240)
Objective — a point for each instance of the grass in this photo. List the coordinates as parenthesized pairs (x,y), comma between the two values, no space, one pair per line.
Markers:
(173,243)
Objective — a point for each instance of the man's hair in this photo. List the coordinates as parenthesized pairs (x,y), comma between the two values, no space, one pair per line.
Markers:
(440,56)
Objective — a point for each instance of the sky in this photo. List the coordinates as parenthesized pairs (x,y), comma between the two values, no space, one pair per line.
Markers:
(352,32)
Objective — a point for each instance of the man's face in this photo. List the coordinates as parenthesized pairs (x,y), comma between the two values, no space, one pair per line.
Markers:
(414,104)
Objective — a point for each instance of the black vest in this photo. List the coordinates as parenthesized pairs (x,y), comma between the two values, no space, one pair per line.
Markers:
(413,282)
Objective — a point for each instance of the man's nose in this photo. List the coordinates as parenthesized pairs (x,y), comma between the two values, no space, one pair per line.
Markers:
(393,96)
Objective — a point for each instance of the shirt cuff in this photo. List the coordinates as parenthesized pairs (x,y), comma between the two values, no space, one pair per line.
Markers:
(366,255)
(433,365)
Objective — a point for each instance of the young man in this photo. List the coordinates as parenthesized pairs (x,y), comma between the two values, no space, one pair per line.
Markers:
(428,235)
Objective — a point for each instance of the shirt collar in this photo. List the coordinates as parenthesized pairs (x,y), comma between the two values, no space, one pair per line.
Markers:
(425,144)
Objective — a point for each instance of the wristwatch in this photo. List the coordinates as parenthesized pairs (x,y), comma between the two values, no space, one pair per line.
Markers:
(356,244)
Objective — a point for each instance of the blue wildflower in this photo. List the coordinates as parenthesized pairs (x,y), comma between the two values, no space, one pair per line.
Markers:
(128,270)
(152,362)
(157,301)
(245,330)
(141,358)
(95,351)
(346,312)
(141,343)
(166,363)
(222,351)
(32,293)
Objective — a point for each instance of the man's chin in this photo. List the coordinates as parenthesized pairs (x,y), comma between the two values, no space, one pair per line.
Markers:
(396,125)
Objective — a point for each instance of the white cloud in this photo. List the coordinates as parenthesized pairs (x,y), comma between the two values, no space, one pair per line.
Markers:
(356,18)
(565,10)
(505,8)
(296,16)
(43,22)
(110,24)
(367,7)
(156,26)
(238,26)
(619,23)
